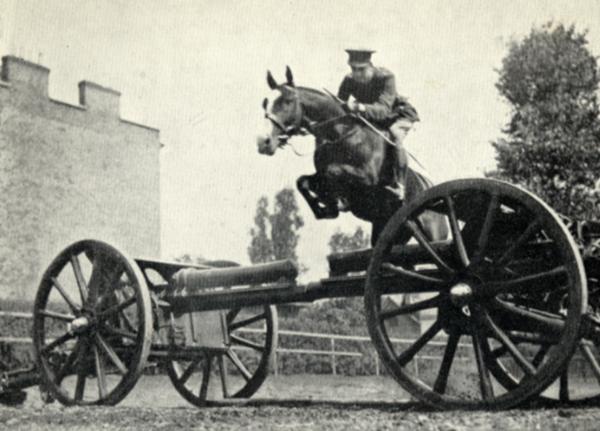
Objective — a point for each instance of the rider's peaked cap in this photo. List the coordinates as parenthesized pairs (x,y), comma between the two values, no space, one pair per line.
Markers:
(359,57)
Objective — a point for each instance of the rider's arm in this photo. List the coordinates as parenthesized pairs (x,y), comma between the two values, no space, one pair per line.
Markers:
(381,109)
(345,89)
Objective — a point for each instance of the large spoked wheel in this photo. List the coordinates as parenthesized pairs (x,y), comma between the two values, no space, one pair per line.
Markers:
(92,325)
(509,281)
(203,375)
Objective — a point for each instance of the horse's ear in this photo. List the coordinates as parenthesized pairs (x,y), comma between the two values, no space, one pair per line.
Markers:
(289,76)
(271,81)
(265,103)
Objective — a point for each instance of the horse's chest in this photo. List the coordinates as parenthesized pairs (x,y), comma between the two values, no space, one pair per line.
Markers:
(357,164)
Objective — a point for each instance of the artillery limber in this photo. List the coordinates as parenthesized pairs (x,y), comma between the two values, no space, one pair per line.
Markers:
(506,293)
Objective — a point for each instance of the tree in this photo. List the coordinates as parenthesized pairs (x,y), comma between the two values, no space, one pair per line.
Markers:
(275,235)
(552,144)
(341,241)
(188,258)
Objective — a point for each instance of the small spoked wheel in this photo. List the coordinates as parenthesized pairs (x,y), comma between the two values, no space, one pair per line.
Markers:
(237,369)
(507,284)
(92,325)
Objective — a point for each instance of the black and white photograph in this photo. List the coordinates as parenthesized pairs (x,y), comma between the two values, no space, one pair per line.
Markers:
(299,215)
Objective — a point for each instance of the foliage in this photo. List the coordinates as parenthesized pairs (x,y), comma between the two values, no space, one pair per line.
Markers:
(553,138)
(341,316)
(275,235)
(188,258)
(341,241)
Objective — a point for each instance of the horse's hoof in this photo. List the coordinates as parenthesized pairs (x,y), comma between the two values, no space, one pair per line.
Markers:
(398,192)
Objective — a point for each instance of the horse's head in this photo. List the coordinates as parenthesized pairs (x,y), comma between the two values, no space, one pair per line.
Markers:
(285,114)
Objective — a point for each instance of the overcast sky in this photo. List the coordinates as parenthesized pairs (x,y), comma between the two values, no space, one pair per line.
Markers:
(195,69)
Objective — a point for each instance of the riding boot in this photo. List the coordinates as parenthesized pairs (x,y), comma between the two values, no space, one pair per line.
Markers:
(399,158)
(399,171)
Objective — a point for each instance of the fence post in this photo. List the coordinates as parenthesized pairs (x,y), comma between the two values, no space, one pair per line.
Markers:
(376,364)
(275,363)
(333,356)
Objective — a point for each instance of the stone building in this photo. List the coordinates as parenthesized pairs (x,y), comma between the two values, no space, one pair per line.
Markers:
(70,172)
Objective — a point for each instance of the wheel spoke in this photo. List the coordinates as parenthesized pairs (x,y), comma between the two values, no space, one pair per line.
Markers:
(81,284)
(424,242)
(529,231)
(539,356)
(456,234)
(120,332)
(67,366)
(239,365)
(243,342)
(547,279)
(485,382)
(113,311)
(81,372)
(72,305)
(247,322)
(442,377)
(407,356)
(112,355)
(223,374)
(190,370)
(546,324)
(563,391)
(58,316)
(523,363)
(100,373)
(58,341)
(484,235)
(410,308)
(412,274)
(591,359)
(232,314)
(205,378)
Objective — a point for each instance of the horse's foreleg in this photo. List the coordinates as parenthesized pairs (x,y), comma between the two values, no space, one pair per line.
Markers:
(316,195)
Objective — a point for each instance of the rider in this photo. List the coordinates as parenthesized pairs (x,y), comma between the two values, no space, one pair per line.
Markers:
(375,98)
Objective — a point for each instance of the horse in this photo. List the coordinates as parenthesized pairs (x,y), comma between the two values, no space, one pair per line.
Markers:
(352,170)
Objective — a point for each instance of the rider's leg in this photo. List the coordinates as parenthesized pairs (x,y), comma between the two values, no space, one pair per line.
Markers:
(399,130)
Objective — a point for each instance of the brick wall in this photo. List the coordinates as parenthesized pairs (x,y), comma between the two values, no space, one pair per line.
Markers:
(68,173)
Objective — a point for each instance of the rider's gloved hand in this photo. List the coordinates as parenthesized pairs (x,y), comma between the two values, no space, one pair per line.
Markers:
(354,106)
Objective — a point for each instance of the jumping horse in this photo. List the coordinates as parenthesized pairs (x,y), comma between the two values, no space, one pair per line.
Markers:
(352,170)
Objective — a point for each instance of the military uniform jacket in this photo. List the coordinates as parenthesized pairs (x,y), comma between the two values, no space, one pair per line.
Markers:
(381,100)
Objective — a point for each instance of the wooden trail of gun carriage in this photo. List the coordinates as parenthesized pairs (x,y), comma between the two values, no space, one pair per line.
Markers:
(515,289)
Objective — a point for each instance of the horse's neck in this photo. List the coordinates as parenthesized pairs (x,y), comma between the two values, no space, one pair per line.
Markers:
(325,114)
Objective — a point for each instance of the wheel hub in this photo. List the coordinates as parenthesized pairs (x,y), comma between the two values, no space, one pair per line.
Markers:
(461,294)
(80,324)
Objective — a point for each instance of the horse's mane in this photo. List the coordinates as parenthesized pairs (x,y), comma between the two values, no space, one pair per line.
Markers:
(312,90)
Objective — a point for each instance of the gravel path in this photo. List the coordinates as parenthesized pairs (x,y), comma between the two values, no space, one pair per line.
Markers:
(302,403)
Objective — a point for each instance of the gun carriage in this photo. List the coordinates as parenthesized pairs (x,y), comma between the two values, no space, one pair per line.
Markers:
(507,295)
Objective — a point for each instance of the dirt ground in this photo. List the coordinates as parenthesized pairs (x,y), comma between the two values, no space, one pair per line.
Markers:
(301,402)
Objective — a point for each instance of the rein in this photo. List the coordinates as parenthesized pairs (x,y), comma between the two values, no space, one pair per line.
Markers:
(290,131)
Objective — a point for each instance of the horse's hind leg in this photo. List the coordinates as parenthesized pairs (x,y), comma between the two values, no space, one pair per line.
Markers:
(316,194)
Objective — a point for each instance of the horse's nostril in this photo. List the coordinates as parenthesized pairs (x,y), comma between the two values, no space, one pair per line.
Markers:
(263,145)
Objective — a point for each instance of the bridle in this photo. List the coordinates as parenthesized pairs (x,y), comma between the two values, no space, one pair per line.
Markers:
(307,126)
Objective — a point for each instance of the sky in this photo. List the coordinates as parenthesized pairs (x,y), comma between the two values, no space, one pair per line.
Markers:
(196,70)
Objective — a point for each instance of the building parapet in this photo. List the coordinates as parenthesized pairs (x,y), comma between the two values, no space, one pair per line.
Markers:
(25,75)
(98,98)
